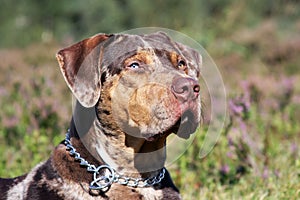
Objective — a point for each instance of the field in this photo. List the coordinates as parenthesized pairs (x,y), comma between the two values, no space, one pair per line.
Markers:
(257,155)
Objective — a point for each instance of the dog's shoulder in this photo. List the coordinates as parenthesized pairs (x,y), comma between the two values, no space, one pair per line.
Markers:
(7,183)
(34,184)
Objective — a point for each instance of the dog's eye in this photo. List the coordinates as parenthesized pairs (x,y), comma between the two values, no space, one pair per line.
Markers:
(181,65)
(134,65)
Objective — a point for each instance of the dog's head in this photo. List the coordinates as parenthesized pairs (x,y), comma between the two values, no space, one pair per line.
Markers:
(143,85)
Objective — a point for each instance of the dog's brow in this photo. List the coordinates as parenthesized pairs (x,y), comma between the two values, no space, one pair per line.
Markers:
(173,58)
(142,56)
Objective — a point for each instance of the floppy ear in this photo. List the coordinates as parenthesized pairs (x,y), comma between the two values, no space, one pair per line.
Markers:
(80,64)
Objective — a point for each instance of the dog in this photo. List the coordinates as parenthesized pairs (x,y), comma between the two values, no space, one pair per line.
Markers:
(131,91)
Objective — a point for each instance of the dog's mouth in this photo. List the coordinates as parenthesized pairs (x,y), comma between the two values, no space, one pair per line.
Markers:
(183,127)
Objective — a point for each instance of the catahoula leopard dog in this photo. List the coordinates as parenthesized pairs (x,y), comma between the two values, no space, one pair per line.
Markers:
(132,91)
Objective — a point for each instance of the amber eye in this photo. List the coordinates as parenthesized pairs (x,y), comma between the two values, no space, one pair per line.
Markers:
(181,65)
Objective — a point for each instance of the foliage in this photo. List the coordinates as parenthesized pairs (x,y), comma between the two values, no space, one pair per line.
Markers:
(255,44)
(43,21)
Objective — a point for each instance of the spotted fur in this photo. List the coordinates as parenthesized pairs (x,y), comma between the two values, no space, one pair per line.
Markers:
(128,102)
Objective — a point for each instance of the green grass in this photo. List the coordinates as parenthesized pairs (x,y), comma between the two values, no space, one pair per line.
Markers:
(267,169)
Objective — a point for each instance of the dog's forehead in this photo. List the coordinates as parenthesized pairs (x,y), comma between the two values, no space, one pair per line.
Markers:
(120,45)
(129,43)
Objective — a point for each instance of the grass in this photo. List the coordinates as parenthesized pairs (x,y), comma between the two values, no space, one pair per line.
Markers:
(256,157)
(248,162)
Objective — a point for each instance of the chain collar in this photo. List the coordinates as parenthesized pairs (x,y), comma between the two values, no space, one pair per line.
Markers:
(104,176)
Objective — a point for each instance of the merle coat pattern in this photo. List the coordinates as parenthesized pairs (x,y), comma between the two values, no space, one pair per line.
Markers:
(132,91)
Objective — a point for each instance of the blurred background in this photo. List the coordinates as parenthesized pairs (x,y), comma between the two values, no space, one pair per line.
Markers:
(255,44)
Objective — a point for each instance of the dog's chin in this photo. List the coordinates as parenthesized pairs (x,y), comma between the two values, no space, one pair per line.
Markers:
(156,136)
(184,127)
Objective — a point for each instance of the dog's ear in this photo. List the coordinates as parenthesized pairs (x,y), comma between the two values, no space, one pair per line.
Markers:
(80,65)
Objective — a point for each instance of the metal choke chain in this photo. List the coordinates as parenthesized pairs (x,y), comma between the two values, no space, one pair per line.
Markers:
(104,176)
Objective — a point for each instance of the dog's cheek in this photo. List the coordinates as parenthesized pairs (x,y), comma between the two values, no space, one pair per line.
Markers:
(105,106)
(120,95)
(150,105)
(139,110)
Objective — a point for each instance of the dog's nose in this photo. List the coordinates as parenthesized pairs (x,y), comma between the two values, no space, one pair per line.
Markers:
(185,88)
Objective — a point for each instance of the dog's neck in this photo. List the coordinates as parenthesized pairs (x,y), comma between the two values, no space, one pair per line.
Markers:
(128,155)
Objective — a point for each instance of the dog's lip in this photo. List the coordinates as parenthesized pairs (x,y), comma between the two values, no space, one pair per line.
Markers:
(187,124)
(187,119)
(154,136)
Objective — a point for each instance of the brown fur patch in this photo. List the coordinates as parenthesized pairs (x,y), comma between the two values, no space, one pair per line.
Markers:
(173,56)
(143,56)
(176,60)
(153,108)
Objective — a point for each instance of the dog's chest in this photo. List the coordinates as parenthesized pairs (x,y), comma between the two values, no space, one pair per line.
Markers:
(71,191)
